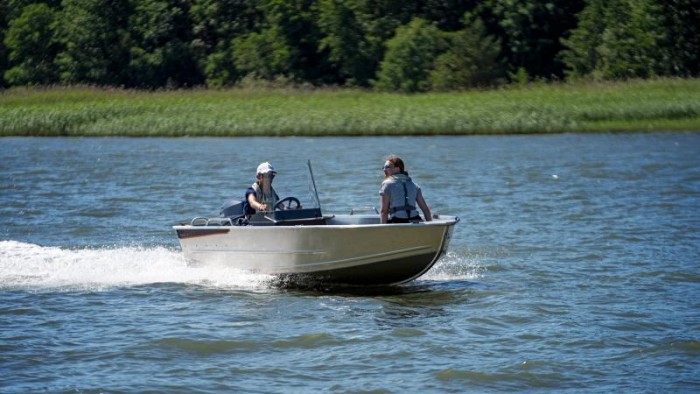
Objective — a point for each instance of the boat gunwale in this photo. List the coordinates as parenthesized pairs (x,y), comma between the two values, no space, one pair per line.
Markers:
(446,222)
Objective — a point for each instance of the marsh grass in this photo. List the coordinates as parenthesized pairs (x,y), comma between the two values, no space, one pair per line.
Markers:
(663,104)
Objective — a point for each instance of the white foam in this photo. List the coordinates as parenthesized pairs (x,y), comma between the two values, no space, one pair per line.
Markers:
(25,265)
(454,266)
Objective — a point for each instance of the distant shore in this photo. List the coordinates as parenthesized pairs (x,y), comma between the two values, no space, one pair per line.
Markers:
(651,105)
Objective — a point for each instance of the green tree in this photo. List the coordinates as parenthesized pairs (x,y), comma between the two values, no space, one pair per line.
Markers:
(4,19)
(581,53)
(9,10)
(682,24)
(355,32)
(345,39)
(446,14)
(472,60)
(215,23)
(95,43)
(632,42)
(529,32)
(32,47)
(285,45)
(618,39)
(410,57)
(160,55)
(263,55)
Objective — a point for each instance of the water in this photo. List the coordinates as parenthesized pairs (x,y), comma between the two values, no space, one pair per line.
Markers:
(576,267)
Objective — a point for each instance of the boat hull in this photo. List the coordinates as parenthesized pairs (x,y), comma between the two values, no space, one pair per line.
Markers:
(349,249)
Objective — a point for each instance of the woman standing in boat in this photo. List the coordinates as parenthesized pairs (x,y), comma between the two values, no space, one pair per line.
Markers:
(399,195)
(261,196)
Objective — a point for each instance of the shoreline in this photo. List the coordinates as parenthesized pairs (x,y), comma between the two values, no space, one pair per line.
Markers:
(537,108)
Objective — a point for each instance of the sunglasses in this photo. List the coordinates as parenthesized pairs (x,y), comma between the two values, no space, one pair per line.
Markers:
(386,167)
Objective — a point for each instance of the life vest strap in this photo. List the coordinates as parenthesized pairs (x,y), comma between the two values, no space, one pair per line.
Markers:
(406,208)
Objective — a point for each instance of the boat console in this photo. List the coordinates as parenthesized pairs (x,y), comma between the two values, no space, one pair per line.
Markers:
(234,212)
(291,217)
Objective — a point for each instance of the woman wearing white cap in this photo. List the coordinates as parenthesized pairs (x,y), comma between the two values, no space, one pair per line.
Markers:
(261,196)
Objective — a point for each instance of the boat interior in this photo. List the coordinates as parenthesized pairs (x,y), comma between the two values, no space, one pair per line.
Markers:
(232,214)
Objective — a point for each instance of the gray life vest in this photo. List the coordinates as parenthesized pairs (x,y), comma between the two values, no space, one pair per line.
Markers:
(270,200)
(407,206)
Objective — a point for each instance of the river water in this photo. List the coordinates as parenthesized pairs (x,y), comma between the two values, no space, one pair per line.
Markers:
(575,267)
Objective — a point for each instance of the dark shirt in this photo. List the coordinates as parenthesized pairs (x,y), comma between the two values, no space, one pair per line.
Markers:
(246,206)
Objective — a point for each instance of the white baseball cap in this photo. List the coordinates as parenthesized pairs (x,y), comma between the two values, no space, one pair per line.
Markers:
(266,167)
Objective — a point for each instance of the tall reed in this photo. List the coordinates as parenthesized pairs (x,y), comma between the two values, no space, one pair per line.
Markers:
(662,104)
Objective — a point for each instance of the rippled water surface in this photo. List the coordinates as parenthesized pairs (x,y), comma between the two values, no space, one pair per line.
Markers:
(575,267)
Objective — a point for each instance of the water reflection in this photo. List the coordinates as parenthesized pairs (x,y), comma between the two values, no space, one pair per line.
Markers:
(411,305)
(423,304)
(410,290)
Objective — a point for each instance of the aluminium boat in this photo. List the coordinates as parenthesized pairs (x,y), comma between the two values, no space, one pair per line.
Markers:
(303,244)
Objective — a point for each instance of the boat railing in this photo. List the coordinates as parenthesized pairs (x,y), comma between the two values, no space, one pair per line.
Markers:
(205,221)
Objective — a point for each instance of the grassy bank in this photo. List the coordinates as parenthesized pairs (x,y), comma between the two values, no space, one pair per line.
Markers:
(634,106)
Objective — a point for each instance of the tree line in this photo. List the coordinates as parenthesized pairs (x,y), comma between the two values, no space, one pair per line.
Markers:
(404,45)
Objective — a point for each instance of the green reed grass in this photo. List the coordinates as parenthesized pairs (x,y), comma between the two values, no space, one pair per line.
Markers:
(663,104)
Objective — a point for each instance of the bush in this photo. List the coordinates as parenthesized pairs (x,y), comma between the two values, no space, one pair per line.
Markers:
(471,61)
(410,57)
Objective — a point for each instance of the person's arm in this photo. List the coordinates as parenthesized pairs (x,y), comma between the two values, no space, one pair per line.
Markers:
(384,210)
(423,206)
(253,202)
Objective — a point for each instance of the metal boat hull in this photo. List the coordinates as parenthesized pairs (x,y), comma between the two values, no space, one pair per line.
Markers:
(349,249)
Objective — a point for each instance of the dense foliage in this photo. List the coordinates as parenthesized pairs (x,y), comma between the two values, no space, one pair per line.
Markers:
(405,45)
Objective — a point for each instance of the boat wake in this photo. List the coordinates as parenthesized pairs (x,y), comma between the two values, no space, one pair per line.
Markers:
(30,266)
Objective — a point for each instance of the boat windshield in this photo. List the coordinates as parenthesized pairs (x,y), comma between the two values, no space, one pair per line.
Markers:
(297,180)
(314,191)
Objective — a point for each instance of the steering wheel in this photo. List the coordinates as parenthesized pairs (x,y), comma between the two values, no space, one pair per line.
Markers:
(287,203)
